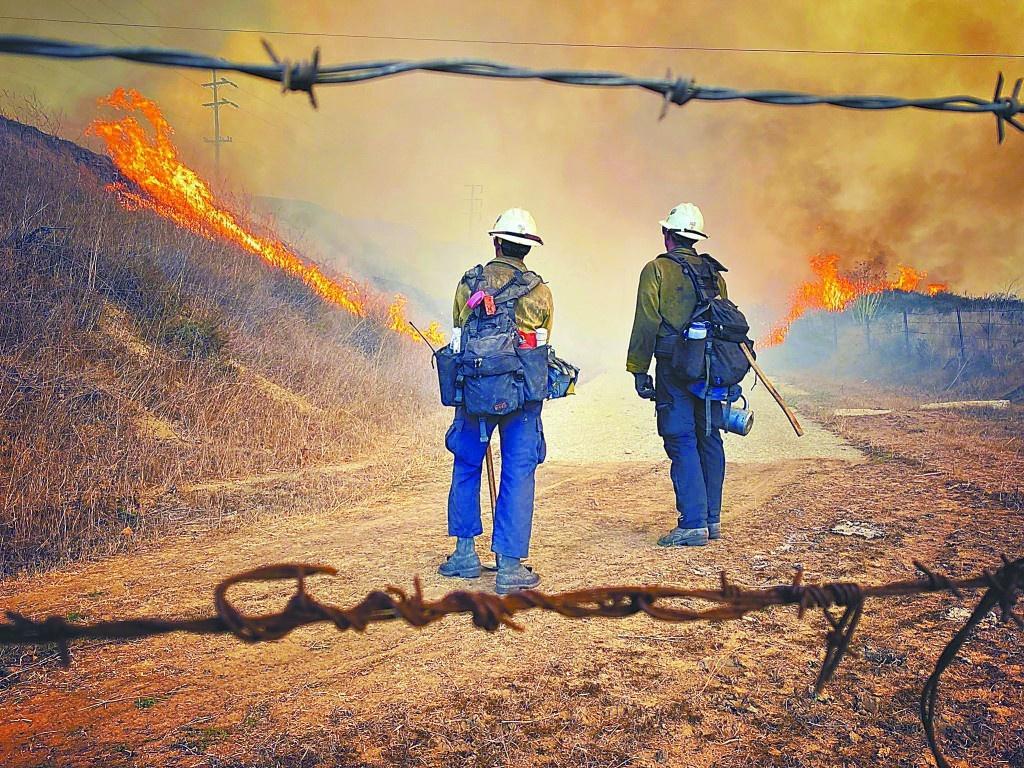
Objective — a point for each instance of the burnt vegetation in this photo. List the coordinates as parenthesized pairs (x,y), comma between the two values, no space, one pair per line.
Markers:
(137,358)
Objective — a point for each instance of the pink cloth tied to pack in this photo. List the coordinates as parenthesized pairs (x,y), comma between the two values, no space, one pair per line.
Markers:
(473,301)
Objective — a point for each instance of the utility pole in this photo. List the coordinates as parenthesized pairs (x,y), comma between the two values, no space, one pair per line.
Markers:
(216,104)
(474,207)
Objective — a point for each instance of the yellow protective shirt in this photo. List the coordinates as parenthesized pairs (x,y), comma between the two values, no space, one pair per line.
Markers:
(535,310)
(665,300)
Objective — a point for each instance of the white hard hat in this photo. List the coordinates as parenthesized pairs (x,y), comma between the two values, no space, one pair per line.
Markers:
(517,226)
(687,220)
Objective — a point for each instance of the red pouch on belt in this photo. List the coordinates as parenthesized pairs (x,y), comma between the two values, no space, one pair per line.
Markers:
(529,339)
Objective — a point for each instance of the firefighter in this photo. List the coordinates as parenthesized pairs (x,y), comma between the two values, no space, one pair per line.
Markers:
(522,435)
(665,302)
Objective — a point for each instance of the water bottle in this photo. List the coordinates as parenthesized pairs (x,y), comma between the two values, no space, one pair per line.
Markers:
(698,330)
(542,336)
(456,344)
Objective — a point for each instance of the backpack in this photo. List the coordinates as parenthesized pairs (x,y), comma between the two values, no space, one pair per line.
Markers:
(491,375)
(717,360)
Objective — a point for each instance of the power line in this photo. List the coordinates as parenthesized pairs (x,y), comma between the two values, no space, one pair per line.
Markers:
(93,22)
(540,43)
(273,124)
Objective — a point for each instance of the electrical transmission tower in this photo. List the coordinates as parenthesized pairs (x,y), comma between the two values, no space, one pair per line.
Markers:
(216,104)
(474,208)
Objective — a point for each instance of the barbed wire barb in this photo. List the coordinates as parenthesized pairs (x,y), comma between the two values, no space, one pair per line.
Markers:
(1011,107)
(303,76)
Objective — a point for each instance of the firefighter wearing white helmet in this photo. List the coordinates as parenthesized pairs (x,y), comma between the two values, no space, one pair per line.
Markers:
(665,303)
(488,290)
(687,220)
(516,225)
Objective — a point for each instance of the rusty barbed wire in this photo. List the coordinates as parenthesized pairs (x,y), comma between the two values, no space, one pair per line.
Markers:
(304,75)
(488,611)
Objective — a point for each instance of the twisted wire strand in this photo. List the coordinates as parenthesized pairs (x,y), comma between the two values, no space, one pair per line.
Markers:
(304,75)
(1002,586)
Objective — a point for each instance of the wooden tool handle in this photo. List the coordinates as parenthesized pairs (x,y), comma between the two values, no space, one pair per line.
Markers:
(490,478)
(772,390)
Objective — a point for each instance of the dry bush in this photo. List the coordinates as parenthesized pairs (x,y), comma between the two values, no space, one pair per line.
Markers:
(135,357)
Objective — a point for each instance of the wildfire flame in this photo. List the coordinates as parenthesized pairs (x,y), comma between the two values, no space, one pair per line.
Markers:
(176,192)
(831,291)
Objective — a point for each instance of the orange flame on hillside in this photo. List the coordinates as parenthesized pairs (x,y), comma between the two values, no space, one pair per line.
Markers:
(831,291)
(176,192)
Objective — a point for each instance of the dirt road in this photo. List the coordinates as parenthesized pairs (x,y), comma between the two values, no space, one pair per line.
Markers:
(576,693)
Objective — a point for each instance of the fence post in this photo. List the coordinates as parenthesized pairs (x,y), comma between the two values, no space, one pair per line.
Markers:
(906,331)
(960,331)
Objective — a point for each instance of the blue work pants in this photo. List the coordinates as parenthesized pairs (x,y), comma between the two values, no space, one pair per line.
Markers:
(698,458)
(522,449)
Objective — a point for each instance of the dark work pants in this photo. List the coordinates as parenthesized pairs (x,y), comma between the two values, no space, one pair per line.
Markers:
(522,449)
(698,459)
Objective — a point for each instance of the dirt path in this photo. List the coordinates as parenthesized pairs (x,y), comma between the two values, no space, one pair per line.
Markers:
(608,422)
(580,693)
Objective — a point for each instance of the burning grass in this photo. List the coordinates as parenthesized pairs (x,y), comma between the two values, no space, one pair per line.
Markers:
(832,290)
(139,357)
(164,184)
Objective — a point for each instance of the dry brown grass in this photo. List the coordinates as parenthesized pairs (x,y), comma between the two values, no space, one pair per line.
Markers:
(136,357)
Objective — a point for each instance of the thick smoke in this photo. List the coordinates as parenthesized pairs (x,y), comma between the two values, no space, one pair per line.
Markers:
(596,167)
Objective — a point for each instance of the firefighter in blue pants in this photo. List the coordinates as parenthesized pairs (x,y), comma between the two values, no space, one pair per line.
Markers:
(522,449)
(521,431)
(665,302)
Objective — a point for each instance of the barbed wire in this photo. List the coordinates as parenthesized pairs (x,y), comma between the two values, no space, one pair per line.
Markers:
(490,612)
(304,75)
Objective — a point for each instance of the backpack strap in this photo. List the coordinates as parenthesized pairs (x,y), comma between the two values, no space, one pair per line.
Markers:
(473,277)
(703,302)
(518,286)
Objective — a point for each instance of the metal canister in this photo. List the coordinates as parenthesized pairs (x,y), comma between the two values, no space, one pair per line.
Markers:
(739,421)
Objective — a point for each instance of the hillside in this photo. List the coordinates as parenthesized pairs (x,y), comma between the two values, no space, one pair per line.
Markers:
(139,360)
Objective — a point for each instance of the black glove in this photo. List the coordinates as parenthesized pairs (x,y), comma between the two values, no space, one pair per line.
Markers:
(644,385)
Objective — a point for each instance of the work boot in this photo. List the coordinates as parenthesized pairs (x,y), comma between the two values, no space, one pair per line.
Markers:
(714,531)
(514,576)
(684,537)
(463,563)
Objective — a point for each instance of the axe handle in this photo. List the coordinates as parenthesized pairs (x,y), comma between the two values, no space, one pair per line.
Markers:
(490,478)
(772,390)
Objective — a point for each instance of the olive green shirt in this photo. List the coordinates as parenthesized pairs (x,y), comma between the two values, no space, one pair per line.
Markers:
(665,300)
(535,310)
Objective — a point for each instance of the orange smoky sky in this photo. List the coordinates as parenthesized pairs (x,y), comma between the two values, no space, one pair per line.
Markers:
(596,166)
